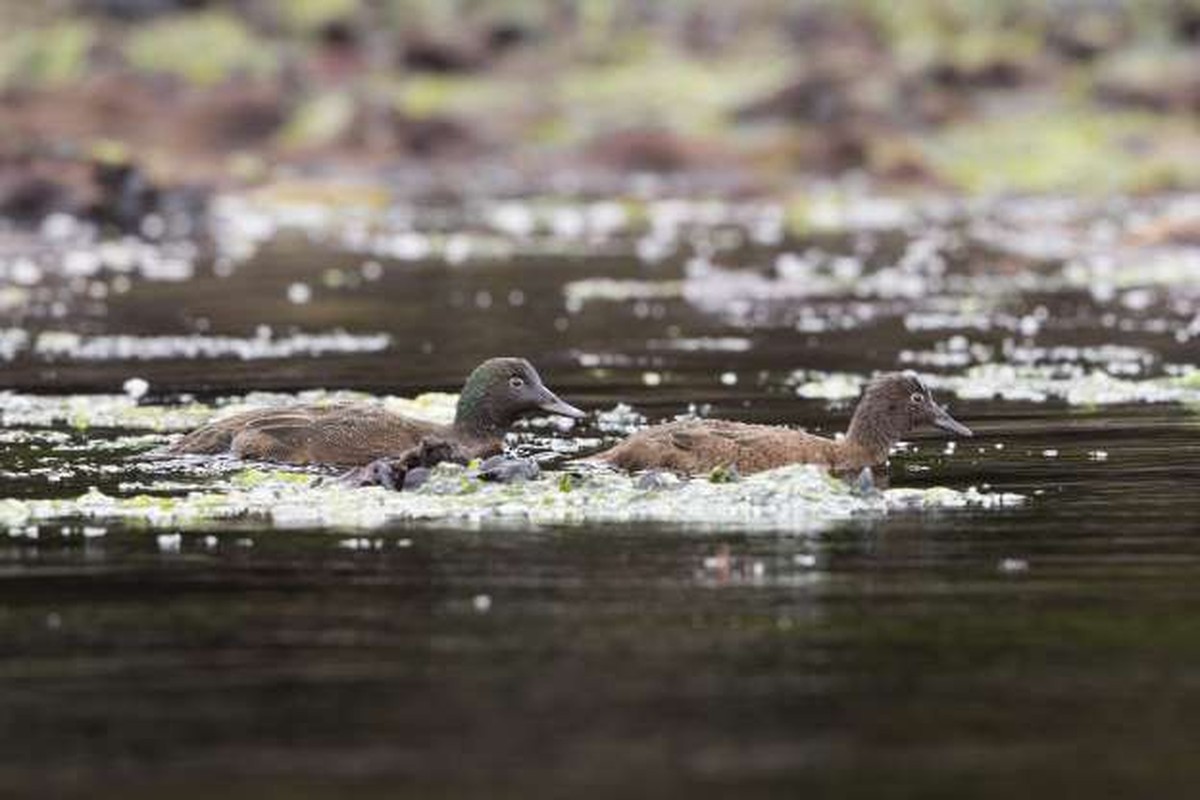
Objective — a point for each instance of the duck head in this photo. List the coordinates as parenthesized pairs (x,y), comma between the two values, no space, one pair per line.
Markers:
(893,405)
(500,391)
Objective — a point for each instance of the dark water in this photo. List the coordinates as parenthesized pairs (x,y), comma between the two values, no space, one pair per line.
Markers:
(1045,650)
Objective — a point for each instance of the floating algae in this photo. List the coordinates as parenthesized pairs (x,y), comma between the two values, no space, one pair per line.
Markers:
(1077,384)
(65,345)
(800,499)
(122,411)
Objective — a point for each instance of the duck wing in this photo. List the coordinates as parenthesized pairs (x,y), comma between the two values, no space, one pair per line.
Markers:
(216,437)
(348,434)
(703,445)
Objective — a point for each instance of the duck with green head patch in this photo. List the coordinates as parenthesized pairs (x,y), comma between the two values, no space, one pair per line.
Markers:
(891,406)
(497,393)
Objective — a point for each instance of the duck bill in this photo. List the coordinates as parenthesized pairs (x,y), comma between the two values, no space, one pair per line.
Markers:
(942,419)
(551,404)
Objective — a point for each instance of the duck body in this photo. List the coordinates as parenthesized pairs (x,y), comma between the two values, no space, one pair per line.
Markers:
(891,406)
(696,446)
(496,394)
(349,434)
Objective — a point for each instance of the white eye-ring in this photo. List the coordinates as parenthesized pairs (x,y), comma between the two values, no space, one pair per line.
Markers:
(917,397)
(516,382)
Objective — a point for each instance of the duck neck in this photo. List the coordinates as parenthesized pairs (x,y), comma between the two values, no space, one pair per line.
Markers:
(474,419)
(869,438)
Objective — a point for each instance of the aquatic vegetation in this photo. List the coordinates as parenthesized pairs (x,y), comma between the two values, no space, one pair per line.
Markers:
(797,499)
(200,48)
(1074,383)
(319,121)
(309,15)
(580,292)
(45,57)
(196,493)
(843,209)
(90,411)
(124,412)
(690,96)
(57,345)
(1082,151)
(620,419)
(939,285)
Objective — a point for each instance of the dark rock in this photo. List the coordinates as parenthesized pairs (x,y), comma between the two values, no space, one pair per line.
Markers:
(995,73)
(126,196)
(28,199)
(394,473)
(864,484)
(506,469)
(338,34)
(1186,23)
(117,195)
(502,37)
(427,54)
(416,477)
(384,472)
(867,482)
(819,97)
(1086,35)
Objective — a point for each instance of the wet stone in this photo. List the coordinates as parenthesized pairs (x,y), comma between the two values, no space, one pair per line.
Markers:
(415,478)
(863,484)
(506,469)
(656,480)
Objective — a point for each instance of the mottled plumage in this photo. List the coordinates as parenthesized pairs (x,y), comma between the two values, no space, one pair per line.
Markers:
(890,407)
(353,434)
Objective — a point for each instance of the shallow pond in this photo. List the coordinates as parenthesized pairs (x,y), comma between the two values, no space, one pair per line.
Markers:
(194,627)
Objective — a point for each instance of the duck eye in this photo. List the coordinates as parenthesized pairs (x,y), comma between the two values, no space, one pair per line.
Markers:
(516,382)
(917,397)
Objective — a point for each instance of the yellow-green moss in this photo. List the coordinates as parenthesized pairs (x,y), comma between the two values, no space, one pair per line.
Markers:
(319,120)
(308,15)
(203,49)
(49,56)
(1062,151)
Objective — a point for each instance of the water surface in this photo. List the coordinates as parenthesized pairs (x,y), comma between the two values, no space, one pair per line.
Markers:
(1043,648)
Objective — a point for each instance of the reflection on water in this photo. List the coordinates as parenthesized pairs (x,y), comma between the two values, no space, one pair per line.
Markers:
(948,652)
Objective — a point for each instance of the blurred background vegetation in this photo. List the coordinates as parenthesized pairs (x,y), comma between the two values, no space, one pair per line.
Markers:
(975,96)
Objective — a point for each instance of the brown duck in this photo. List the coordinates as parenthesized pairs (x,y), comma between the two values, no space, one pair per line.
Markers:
(890,407)
(499,391)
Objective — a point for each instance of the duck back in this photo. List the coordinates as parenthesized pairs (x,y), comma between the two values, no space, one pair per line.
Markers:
(697,446)
(343,434)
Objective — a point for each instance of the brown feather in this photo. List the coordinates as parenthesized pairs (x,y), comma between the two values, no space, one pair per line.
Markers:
(891,406)
(496,394)
(697,446)
(349,435)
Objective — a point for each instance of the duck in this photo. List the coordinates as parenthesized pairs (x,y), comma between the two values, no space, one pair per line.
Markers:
(497,393)
(891,406)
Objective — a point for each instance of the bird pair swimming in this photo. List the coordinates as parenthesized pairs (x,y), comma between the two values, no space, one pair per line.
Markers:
(501,390)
